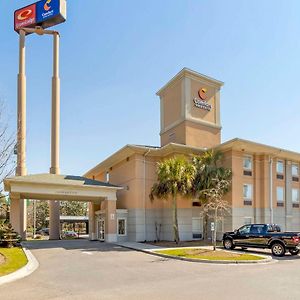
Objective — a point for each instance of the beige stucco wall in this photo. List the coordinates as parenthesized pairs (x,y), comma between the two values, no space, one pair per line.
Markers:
(198,135)
(172,104)
(184,123)
(207,116)
(175,135)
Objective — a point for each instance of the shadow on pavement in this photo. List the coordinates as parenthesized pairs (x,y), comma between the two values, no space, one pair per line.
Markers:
(79,244)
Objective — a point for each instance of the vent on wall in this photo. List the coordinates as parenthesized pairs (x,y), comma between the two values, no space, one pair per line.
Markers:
(247,173)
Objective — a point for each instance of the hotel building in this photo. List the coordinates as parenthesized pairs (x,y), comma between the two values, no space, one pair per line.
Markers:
(265,182)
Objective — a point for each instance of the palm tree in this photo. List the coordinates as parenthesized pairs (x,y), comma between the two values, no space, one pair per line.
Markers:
(175,177)
(208,173)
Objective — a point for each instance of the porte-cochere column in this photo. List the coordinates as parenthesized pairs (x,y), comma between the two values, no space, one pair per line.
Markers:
(110,205)
(18,218)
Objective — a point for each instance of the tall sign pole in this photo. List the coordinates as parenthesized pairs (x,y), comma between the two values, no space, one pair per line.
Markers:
(21,118)
(35,18)
(18,216)
(55,122)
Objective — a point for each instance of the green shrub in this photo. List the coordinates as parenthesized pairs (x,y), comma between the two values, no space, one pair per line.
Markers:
(8,237)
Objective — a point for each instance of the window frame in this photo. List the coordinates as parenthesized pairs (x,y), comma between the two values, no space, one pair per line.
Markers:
(251,191)
(296,203)
(251,163)
(248,200)
(297,166)
(279,161)
(279,201)
(125,225)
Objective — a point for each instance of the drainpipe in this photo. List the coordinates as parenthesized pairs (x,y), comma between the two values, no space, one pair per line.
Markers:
(271,188)
(145,231)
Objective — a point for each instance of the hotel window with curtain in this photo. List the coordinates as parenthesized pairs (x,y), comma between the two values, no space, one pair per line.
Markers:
(247,194)
(295,198)
(280,196)
(247,165)
(295,172)
(280,169)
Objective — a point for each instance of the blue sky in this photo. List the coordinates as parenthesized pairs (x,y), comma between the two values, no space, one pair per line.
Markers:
(115,55)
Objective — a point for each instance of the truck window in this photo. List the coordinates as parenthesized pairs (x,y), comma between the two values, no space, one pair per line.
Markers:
(257,229)
(245,229)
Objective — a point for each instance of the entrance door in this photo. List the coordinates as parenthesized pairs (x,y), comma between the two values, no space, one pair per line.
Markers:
(101,229)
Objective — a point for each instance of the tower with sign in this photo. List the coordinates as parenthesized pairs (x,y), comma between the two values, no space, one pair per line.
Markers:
(34,18)
(190,110)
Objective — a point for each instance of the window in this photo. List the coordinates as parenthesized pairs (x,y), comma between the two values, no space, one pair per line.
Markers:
(247,165)
(107,176)
(295,198)
(295,172)
(122,226)
(258,229)
(279,169)
(245,229)
(280,196)
(247,194)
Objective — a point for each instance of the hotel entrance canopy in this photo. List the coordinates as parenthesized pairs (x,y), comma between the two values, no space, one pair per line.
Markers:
(59,187)
(54,188)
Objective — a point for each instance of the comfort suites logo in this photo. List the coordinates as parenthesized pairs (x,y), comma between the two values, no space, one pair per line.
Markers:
(46,5)
(46,9)
(202,103)
(202,93)
(25,16)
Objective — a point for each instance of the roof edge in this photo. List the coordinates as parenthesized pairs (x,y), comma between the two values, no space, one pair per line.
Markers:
(188,71)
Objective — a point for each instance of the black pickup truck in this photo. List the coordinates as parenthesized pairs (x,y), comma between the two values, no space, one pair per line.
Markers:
(263,236)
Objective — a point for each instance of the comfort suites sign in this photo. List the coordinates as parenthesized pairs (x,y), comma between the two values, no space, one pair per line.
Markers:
(44,13)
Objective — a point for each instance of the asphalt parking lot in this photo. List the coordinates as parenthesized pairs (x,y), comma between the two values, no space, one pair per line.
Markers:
(80,269)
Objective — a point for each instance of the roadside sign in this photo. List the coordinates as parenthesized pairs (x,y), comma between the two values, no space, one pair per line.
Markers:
(44,13)
(212,226)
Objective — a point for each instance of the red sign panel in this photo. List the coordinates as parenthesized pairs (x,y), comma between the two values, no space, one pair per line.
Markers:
(25,16)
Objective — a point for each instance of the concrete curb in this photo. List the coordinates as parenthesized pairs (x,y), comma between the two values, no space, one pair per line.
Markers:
(29,268)
(267,259)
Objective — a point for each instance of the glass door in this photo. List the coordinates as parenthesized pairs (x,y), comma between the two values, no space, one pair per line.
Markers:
(101,229)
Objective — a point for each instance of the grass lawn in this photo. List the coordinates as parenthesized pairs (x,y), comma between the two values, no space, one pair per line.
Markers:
(197,253)
(15,259)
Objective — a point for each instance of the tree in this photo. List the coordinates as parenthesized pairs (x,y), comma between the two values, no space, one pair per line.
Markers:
(73,208)
(42,213)
(4,209)
(208,173)
(7,146)
(175,177)
(216,206)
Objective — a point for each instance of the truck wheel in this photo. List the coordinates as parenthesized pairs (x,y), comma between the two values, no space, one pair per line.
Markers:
(228,244)
(294,251)
(278,249)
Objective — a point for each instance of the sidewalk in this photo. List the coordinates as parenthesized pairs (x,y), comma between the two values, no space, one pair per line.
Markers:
(138,246)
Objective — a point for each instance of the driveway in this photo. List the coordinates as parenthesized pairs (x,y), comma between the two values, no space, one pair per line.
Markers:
(80,269)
